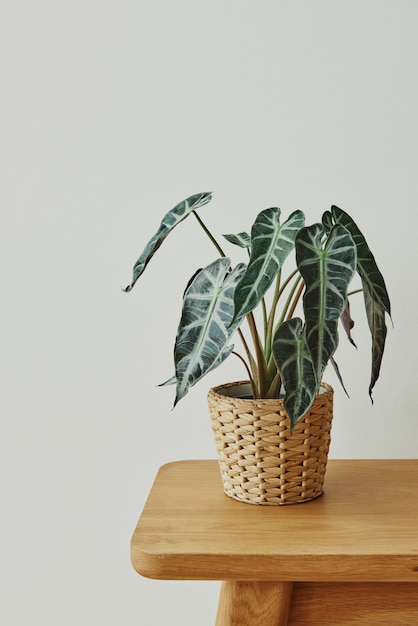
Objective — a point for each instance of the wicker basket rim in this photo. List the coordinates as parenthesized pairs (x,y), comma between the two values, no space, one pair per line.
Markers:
(326,390)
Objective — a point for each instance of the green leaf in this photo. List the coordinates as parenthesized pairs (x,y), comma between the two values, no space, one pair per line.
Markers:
(327,267)
(327,221)
(169,221)
(221,358)
(322,339)
(366,264)
(243,240)
(376,297)
(338,373)
(271,243)
(205,326)
(293,359)
(376,318)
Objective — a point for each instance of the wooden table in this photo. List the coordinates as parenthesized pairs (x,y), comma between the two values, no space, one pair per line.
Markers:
(348,557)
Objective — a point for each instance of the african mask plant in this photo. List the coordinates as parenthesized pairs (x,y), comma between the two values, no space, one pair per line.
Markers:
(281,352)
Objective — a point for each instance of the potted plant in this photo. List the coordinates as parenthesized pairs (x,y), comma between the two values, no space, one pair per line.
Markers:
(272,431)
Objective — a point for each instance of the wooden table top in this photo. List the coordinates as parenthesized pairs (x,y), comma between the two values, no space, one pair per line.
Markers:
(364,528)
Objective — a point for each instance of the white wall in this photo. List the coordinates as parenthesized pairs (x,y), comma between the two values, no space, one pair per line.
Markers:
(111,112)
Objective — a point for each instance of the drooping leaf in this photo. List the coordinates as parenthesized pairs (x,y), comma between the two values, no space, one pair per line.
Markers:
(348,323)
(293,359)
(366,264)
(169,221)
(376,318)
(327,269)
(205,326)
(243,240)
(337,371)
(271,243)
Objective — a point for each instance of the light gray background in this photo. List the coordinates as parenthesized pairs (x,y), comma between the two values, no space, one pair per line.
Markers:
(111,113)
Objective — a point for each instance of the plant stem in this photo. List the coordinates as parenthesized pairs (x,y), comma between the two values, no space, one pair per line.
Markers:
(263,374)
(271,363)
(209,234)
(270,321)
(289,300)
(295,301)
(275,386)
(277,294)
(251,379)
(265,322)
(252,364)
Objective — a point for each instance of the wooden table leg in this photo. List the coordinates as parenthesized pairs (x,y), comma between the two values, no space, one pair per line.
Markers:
(250,603)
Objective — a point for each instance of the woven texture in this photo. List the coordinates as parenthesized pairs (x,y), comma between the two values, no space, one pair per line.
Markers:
(261,462)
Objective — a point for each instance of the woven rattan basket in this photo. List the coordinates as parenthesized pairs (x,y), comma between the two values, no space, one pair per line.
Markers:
(261,462)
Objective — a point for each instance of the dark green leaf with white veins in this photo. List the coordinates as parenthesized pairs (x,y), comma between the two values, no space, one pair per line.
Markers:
(366,264)
(293,359)
(205,326)
(327,221)
(322,339)
(376,318)
(271,243)
(327,269)
(243,240)
(169,221)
